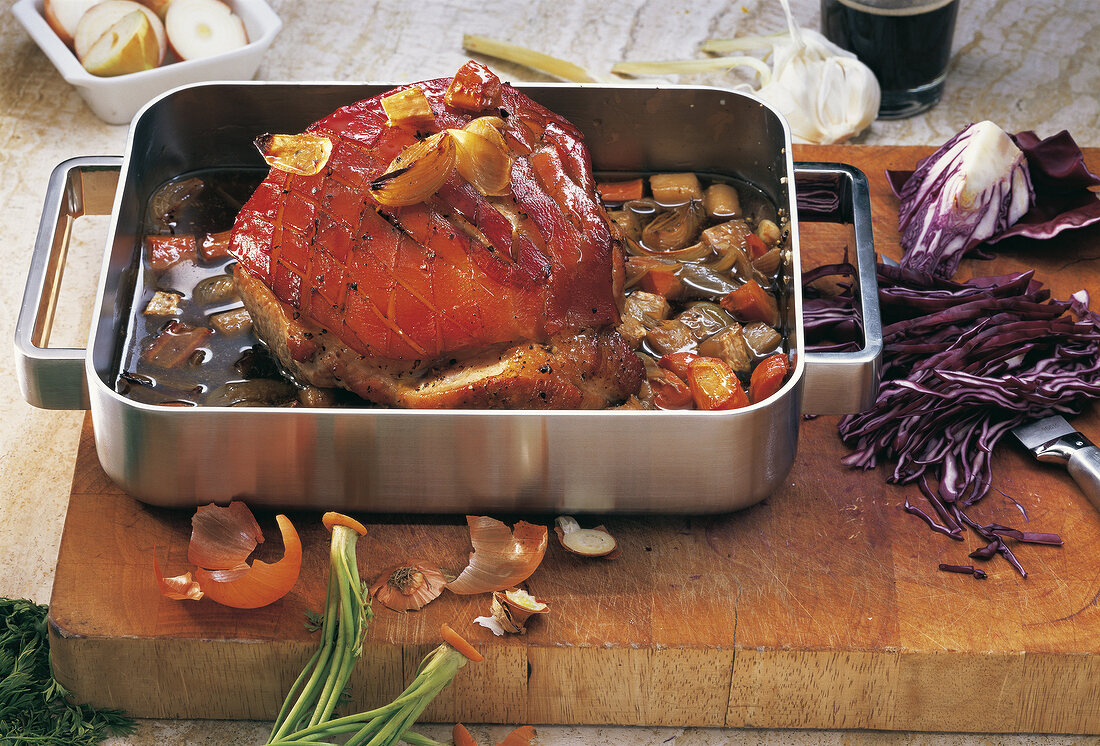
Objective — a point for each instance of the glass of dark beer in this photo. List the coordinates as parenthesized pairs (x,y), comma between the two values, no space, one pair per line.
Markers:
(906,43)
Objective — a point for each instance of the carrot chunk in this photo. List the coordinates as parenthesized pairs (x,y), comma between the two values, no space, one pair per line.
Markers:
(215,246)
(165,251)
(751,302)
(174,344)
(621,191)
(474,88)
(678,362)
(662,282)
(714,385)
(756,246)
(768,377)
(670,391)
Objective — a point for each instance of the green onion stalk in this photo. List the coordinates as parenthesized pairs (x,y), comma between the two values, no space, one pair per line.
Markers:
(305,718)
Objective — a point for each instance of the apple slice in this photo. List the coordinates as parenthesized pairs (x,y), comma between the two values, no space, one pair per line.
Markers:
(129,46)
(102,16)
(203,28)
(63,15)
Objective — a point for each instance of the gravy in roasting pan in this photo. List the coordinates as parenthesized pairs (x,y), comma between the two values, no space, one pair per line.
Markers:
(691,240)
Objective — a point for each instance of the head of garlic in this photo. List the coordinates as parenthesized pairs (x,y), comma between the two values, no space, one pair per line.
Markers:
(826,94)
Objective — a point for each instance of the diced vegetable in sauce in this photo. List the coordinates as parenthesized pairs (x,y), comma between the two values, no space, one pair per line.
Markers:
(703,265)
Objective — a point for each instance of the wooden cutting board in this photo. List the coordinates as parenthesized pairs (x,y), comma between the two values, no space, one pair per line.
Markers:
(821,607)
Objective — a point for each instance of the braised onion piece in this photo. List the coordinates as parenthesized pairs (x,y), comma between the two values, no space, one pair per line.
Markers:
(416,173)
(215,290)
(502,558)
(481,156)
(675,229)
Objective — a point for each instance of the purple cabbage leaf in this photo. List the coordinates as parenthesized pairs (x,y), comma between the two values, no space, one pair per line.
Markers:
(975,187)
(1065,191)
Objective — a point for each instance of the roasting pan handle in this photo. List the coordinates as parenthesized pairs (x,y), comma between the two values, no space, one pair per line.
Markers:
(53,377)
(843,382)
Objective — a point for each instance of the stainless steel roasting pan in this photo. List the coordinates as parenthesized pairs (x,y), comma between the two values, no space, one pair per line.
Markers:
(380,460)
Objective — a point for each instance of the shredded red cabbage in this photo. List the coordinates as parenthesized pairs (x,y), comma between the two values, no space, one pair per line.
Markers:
(965,570)
(963,364)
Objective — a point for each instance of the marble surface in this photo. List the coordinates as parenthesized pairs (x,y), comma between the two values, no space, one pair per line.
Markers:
(1030,65)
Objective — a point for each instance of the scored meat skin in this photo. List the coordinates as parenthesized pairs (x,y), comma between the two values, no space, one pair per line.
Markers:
(410,283)
(459,276)
(583,370)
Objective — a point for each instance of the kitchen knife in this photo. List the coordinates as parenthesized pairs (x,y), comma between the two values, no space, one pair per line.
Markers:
(1055,441)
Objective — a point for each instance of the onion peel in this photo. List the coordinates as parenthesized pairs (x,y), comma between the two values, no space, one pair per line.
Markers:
(410,586)
(179,588)
(222,537)
(513,607)
(264,583)
(502,558)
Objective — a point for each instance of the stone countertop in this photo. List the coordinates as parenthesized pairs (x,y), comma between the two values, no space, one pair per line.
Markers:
(1027,65)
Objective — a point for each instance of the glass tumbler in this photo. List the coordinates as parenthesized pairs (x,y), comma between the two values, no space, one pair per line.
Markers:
(906,43)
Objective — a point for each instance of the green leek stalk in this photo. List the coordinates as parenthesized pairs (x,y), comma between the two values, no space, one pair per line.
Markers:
(314,695)
(305,718)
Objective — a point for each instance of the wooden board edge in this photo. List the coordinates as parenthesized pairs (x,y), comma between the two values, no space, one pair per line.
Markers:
(682,687)
(916,691)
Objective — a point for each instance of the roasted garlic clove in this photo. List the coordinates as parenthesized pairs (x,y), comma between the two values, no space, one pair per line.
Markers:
(302,154)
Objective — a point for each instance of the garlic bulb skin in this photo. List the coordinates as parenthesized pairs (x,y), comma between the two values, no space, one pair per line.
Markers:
(826,94)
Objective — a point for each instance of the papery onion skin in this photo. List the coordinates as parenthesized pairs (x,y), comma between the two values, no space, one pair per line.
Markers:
(223,537)
(264,583)
(426,589)
(179,588)
(501,558)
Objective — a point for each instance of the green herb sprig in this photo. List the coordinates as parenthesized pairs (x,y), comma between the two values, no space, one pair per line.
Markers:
(34,706)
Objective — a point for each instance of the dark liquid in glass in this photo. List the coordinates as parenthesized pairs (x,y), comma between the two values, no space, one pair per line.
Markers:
(907,51)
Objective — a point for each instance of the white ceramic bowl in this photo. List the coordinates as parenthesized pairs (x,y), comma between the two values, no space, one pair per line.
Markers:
(115,100)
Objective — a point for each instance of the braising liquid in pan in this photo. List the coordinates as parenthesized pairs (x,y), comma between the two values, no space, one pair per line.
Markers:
(189,342)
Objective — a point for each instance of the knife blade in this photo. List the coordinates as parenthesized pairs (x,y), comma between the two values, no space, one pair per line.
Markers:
(1054,440)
